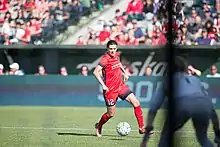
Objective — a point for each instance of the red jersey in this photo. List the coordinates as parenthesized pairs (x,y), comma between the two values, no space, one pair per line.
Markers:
(104,35)
(3,5)
(112,71)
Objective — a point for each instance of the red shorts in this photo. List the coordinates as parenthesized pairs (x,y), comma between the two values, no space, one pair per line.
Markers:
(111,97)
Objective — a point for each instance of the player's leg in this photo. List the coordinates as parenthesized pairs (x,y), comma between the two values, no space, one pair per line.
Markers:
(202,110)
(201,128)
(165,134)
(180,117)
(126,94)
(137,111)
(105,117)
(110,100)
(215,122)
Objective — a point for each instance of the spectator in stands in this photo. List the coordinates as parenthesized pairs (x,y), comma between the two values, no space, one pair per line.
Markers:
(217,22)
(6,28)
(209,25)
(186,33)
(196,28)
(61,15)
(184,41)
(214,72)
(192,17)
(3,6)
(1,70)
(118,15)
(63,71)
(93,39)
(217,35)
(99,4)
(148,71)
(84,71)
(26,37)
(131,38)
(120,38)
(158,37)
(207,15)
(188,23)
(178,37)
(138,33)
(204,40)
(78,8)
(48,26)
(41,71)
(148,6)
(37,21)
(156,22)
(80,41)
(35,30)
(104,35)
(6,40)
(15,69)
(135,10)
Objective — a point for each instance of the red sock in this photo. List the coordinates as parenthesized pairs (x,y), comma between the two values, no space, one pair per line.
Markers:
(105,117)
(139,116)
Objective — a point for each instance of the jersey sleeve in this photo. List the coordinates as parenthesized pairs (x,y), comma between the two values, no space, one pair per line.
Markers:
(103,62)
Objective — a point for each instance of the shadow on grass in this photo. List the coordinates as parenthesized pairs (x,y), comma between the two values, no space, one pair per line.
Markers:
(117,139)
(75,134)
(92,135)
(81,134)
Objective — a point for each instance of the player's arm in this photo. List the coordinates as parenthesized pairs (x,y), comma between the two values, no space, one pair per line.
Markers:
(194,70)
(125,73)
(98,76)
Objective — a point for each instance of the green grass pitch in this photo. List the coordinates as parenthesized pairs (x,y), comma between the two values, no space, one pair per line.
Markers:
(38,126)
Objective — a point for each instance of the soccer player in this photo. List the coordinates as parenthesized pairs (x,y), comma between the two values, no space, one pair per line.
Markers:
(113,85)
(190,101)
(214,116)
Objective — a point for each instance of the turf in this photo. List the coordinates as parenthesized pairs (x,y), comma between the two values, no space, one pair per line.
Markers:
(74,126)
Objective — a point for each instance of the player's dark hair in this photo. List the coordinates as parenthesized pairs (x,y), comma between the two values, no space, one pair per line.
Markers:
(111,42)
(180,64)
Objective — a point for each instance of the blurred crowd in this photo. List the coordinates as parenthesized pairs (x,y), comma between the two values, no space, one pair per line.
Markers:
(14,69)
(143,22)
(146,22)
(38,21)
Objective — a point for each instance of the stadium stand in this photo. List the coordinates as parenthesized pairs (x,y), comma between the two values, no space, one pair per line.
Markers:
(143,22)
(38,21)
(146,22)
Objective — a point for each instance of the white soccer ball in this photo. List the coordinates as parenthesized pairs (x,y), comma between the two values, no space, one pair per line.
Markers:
(123,128)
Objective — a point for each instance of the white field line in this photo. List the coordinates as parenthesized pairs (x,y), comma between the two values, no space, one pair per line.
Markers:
(78,129)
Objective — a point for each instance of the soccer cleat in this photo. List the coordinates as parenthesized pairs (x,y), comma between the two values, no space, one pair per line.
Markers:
(98,130)
(143,130)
